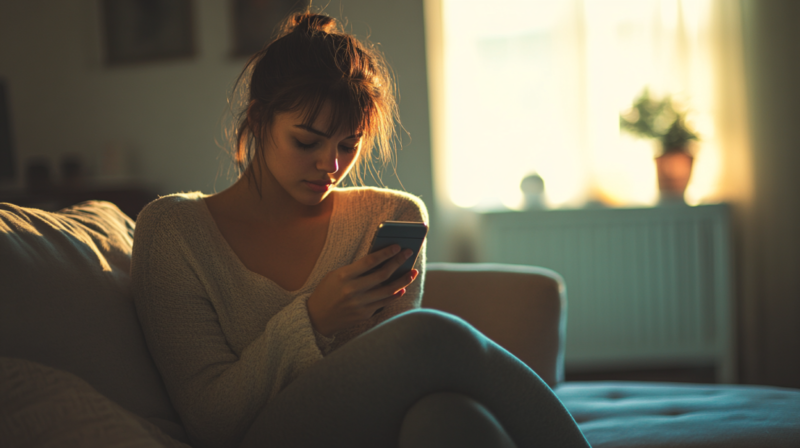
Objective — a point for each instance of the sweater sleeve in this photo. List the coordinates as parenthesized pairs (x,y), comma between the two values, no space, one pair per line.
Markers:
(216,392)
(411,209)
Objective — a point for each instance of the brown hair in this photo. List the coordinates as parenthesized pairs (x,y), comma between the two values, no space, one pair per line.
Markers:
(313,61)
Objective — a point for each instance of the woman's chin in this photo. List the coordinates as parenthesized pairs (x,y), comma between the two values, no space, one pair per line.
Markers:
(311,199)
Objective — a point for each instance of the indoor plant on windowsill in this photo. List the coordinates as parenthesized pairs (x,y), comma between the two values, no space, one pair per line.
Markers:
(658,119)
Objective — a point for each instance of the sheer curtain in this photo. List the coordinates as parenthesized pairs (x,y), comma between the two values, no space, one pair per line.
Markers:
(536,87)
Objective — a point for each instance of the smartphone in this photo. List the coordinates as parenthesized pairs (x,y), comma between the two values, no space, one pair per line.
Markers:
(409,235)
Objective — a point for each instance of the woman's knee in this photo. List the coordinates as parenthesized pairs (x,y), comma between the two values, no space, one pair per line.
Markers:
(451,419)
(435,329)
(427,325)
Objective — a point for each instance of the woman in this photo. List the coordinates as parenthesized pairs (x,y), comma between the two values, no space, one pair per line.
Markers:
(260,304)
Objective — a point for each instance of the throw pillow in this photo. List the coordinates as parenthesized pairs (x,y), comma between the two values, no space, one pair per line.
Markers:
(43,407)
(66,302)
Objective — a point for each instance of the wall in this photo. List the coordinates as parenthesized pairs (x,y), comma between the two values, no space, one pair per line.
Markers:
(770,262)
(166,116)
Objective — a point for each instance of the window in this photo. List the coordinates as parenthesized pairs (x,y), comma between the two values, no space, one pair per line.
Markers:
(537,87)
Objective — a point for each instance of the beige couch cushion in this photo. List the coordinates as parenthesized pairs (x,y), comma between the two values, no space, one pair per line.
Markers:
(43,407)
(66,303)
(650,415)
(522,308)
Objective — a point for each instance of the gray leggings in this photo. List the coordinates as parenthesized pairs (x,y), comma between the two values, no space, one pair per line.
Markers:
(422,378)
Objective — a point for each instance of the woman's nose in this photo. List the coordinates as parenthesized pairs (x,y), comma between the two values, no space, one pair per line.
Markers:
(329,161)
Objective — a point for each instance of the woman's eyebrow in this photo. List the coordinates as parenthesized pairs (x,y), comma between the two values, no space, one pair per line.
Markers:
(320,133)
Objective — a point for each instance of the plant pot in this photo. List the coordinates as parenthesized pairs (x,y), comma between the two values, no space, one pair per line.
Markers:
(674,170)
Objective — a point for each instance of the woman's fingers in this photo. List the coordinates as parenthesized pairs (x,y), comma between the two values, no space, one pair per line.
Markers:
(400,283)
(346,295)
(374,259)
(386,292)
(382,273)
(382,303)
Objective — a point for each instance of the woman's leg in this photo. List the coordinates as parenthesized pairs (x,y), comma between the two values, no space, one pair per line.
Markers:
(360,394)
(450,419)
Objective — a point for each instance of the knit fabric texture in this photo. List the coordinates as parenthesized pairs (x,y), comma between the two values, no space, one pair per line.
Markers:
(227,340)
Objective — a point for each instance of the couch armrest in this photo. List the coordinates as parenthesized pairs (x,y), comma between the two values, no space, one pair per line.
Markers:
(522,308)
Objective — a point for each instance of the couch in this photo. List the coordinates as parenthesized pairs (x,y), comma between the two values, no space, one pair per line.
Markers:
(75,370)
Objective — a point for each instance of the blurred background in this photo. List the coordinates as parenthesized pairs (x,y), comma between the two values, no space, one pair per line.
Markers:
(512,112)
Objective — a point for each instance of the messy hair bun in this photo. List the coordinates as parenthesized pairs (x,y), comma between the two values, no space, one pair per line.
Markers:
(313,62)
(308,22)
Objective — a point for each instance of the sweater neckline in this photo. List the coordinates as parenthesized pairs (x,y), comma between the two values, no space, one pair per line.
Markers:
(323,255)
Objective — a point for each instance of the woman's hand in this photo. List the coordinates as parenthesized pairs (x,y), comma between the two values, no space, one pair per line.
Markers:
(346,296)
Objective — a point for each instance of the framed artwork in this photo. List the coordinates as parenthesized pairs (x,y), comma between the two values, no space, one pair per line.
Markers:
(147,30)
(255,22)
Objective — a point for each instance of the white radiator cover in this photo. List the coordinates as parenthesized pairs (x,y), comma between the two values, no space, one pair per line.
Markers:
(646,287)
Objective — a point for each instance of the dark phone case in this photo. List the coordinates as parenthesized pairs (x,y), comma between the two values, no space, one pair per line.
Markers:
(409,235)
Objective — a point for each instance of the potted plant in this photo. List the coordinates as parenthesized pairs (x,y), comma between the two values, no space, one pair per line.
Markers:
(659,119)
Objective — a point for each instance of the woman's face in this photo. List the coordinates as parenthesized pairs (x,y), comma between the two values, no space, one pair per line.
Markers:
(304,160)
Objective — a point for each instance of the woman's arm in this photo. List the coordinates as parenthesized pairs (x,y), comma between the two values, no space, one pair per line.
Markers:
(414,210)
(216,391)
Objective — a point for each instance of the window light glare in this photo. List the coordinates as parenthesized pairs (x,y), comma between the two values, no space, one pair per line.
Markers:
(540,90)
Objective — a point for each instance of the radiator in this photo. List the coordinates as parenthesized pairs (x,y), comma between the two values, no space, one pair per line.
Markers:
(646,287)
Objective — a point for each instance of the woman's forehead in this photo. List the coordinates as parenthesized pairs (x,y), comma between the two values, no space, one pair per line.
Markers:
(330,119)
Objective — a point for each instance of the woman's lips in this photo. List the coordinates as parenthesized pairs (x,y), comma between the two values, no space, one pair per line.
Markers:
(319,187)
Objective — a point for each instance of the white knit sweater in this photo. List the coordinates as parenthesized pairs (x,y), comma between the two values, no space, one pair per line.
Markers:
(225,339)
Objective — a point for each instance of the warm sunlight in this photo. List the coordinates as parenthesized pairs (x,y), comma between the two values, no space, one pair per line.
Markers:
(537,87)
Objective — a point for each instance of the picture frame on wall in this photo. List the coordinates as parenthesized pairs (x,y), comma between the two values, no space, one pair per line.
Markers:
(255,22)
(139,31)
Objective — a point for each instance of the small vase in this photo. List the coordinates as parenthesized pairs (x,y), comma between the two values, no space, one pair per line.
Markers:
(674,169)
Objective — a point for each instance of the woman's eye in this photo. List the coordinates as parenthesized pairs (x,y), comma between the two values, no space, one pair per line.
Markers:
(303,145)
